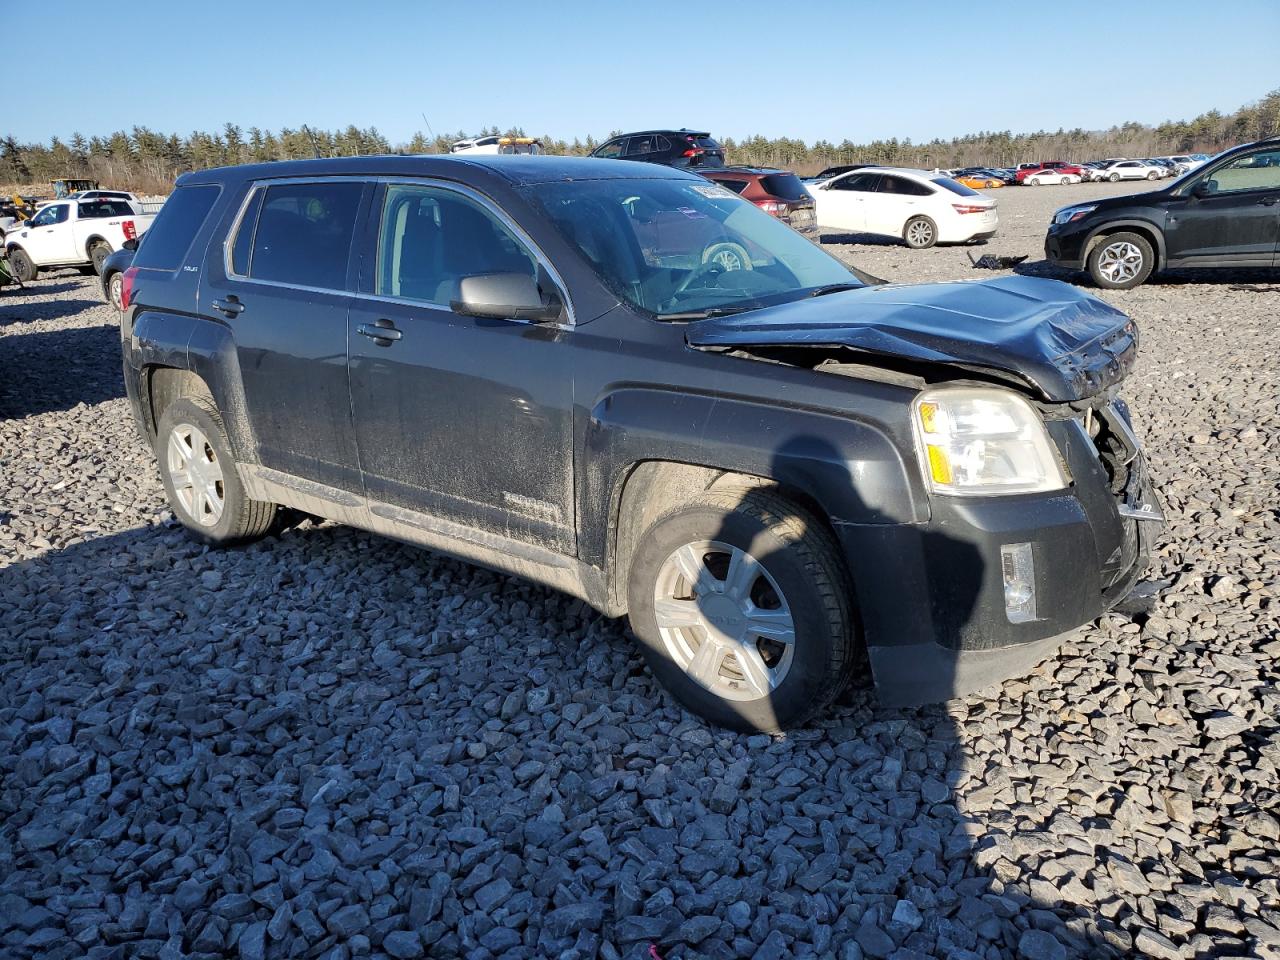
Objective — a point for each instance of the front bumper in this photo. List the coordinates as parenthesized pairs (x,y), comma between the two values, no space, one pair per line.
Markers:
(932,598)
(1064,245)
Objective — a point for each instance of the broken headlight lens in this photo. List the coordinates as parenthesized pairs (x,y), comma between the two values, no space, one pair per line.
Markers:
(1067,214)
(976,441)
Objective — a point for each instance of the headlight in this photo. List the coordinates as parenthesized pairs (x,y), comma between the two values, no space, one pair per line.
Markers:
(1067,214)
(977,441)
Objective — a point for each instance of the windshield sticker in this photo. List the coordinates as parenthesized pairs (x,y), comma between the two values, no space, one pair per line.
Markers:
(713,191)
(691,213)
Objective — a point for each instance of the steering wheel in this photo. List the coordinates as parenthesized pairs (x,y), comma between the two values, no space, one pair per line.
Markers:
(708,269)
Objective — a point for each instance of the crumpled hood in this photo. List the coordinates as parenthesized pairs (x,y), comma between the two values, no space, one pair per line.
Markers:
(1067,344)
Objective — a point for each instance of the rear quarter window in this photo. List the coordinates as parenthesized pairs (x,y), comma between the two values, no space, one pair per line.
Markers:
(166,244)
(737,186)
(949,184)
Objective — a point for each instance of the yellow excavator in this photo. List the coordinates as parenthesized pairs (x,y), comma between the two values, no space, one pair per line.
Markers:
(66,187)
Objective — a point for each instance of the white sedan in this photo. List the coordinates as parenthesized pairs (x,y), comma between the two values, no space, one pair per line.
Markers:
(1051,176)
(918,207)
(1129,170)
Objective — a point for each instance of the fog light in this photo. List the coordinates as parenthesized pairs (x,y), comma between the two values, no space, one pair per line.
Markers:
(1019,571)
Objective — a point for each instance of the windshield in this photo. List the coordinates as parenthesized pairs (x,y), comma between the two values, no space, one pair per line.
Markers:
(677,247)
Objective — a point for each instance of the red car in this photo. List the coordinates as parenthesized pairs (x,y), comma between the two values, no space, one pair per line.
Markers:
(777,192)
(1030,168)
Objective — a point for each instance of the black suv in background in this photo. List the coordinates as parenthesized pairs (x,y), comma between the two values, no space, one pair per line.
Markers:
(1225,213)
(544,365)
(671,148)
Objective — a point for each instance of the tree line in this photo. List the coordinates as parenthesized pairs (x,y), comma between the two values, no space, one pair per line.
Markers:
(146,161)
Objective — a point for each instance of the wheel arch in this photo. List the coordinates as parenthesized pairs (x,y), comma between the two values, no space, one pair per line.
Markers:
(653,488)
(1148,230)
(95,239)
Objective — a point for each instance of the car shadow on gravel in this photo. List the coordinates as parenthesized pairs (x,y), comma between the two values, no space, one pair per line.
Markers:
(51,370)
(1245,277)
(12,314)
(328,736)
(35,288)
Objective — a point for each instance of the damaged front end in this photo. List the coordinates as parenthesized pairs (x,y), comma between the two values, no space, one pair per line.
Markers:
(988,585)
(1046,337)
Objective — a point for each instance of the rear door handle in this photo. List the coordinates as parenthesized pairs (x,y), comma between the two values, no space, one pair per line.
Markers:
(1269,201)
(381,331)
(230,306)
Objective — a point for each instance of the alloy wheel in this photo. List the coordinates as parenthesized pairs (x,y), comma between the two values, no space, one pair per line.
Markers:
(1120,262)
(196,474)
(724,620)
(920,233)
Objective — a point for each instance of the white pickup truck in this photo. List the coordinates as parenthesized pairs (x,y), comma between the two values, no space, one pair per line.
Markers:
(72,233)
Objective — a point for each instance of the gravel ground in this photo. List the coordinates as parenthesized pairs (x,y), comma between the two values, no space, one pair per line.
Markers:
(331,745)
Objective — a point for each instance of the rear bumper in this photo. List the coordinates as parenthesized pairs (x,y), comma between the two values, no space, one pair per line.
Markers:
(932,599)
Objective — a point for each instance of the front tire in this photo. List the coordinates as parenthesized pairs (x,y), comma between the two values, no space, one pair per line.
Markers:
(1121,261)
(24,270)
(920,233)
(740,601)
(1153,175)
(200,476)
(98,254)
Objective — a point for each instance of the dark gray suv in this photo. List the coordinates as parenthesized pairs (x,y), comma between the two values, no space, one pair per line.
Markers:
(546,366)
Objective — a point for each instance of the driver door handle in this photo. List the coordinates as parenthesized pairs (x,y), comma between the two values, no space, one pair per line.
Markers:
(1269,201)
(230,306)
(383,331)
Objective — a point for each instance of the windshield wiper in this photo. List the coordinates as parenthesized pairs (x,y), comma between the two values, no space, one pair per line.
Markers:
(826,288)
(710,312)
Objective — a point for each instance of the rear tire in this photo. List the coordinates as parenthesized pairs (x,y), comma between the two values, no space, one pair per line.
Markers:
(704,573)
(115,290)
(98,253)
(1121,261)
(920,233)
(1114,178)
(200,476)
(23,269)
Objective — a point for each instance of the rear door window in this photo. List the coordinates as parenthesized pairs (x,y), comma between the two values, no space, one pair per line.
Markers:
(165,245)
(862,182)
(640,145)
(904,187)
(302,234)
(98,209)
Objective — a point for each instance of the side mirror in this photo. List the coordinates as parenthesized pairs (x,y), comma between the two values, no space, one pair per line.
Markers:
(506,296)
(1203,189)
(130,244)
(28,223)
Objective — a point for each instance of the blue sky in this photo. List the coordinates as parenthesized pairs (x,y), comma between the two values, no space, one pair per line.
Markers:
(808,70)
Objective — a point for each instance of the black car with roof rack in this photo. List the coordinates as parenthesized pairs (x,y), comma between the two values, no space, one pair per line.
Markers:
(541,364)
(671,148)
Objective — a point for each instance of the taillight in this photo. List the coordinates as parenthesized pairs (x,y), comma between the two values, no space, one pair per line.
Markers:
(126,287)
(130,231)
(771,206)
(964,208)
(693,152)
